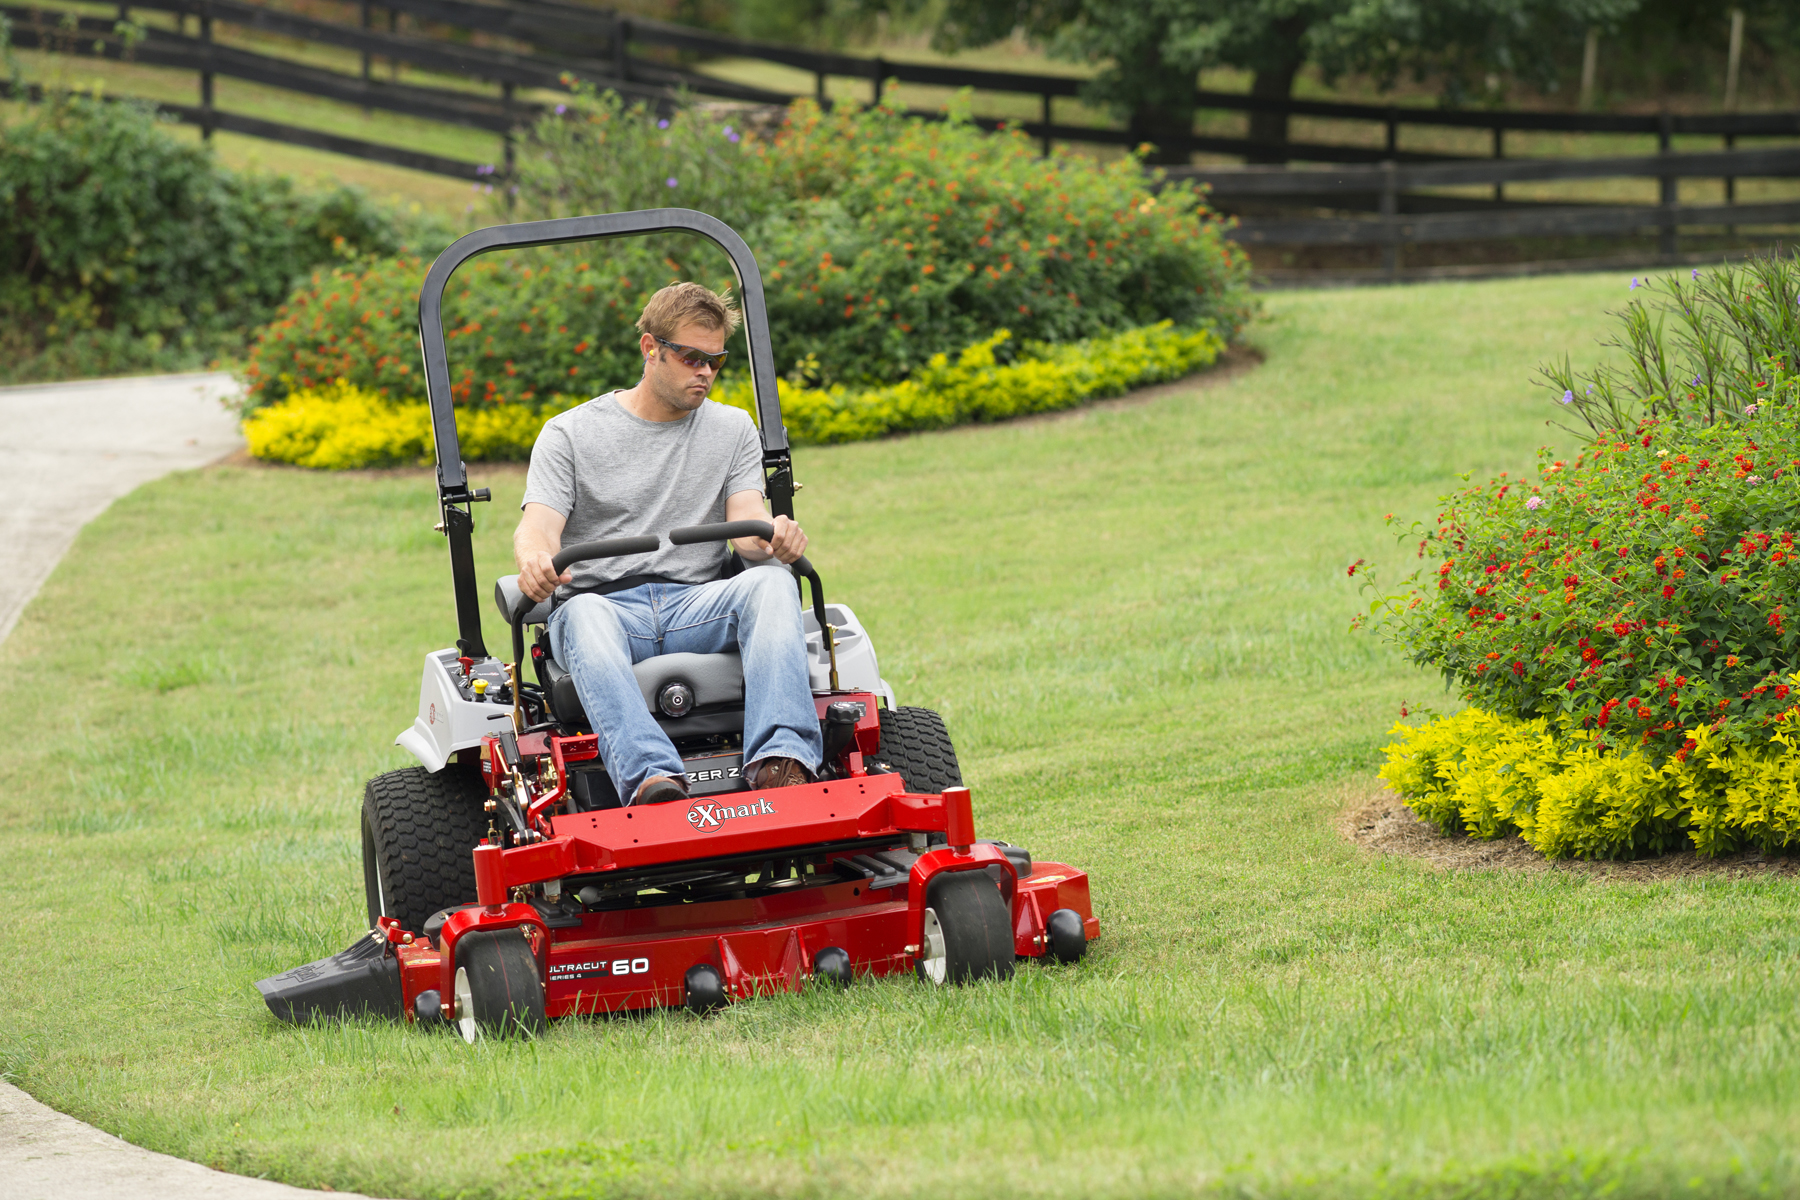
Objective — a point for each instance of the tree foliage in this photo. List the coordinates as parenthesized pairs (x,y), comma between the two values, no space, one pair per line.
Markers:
(1151,51)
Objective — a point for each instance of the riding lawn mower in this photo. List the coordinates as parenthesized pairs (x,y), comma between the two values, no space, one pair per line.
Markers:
(507,883)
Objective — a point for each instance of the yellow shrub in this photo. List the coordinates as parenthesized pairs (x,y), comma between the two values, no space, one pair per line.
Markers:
(339,426)
(977,387)
(1487,775)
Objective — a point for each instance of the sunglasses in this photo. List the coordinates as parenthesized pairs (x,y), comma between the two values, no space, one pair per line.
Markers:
(694,359)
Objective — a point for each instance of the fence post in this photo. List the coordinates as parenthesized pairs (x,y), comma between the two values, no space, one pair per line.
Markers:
(1393,130)
(1665,131)
(1046,109)
(819,87)
(206,77)
(621,60)
(393,27)
(1499,153)
(1734,57)
(368,60)
(1390,220)
(880,66)
(508,152)
(1731,184)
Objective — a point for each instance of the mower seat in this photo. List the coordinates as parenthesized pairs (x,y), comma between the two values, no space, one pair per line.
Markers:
(716,681)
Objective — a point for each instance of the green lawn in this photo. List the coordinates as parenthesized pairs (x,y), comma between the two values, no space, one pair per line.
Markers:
(1135,622)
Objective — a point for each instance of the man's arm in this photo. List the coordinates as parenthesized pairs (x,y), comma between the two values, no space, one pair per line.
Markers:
(535,543)
(790,539)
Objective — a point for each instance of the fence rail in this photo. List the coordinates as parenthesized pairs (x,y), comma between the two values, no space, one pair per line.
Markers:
(1393,184)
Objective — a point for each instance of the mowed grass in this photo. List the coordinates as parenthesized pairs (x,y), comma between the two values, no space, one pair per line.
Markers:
(1134,619)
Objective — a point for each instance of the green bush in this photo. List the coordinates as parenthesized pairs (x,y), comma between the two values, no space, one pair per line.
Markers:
(866,280)
(909,238)
(123,248)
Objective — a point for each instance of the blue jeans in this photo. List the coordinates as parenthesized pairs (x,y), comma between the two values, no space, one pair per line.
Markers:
(757,613)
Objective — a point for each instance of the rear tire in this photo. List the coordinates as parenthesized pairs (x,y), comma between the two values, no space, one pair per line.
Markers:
(419,831)
(968,935)
(915,743)
(499,987)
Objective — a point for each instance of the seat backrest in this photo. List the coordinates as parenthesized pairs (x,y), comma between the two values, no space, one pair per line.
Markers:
(510,600)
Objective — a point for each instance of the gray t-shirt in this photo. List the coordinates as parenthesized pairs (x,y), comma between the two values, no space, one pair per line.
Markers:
(613,474)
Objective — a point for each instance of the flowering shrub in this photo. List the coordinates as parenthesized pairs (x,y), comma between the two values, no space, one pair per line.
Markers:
(519,329)
(883,240)
(909,238)
(339,425)
(1487,775)
(1636,597)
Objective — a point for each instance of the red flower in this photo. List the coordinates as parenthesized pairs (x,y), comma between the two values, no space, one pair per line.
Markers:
(1668,593)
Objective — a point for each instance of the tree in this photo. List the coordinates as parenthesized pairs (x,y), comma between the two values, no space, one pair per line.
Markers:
(1152,51)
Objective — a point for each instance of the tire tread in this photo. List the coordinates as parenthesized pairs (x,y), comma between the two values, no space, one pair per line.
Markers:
(424,828)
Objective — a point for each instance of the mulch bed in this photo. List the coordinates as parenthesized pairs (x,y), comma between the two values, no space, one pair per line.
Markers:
(1379,821)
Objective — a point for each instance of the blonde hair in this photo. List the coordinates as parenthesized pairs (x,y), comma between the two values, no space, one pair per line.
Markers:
(680,303)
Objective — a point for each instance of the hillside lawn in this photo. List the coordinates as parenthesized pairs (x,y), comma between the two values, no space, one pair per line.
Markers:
(1134,620)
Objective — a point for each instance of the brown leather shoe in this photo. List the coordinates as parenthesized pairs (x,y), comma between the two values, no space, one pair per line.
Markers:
(661,790)
(773,773)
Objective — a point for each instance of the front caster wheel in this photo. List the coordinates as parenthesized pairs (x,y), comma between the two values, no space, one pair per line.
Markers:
(499,989)
(968,935)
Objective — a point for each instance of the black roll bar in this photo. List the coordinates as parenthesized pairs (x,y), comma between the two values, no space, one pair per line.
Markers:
(454,495)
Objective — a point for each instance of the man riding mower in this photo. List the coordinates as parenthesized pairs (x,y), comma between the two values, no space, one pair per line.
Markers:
(701,791)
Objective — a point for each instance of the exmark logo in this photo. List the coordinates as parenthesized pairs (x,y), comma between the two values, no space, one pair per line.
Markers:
(712,816)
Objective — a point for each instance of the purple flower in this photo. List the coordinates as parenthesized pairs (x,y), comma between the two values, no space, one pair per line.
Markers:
(671,181)
(1750,410)
(727,131)
(732,138)
(1696,381)
(1535,503)
(1568,397)
(1635,285)
(1696,274)
(663,124)
(561,109)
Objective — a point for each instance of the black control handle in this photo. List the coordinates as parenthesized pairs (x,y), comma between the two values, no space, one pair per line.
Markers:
(723,531)
(610,548)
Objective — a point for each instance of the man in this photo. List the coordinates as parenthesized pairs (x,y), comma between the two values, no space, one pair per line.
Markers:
(649,459)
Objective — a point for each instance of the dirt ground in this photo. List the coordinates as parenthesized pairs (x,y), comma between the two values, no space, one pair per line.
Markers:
(1378,820)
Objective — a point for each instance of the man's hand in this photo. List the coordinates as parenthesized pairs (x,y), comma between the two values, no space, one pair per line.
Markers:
(535,542)
(788,544)
(538,577)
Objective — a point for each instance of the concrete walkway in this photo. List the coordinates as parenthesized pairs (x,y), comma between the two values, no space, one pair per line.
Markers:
(67,450)
(47,1156)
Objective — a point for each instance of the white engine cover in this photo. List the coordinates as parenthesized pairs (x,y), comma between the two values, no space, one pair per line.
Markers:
(857,669)
(450,719)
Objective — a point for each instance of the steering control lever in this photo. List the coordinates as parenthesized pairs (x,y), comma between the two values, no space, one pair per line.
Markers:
(724,531)
(610,548)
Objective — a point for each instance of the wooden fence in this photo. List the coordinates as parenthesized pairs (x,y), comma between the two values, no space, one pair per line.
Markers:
(1403,207)
(1382,192)
(599,46)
